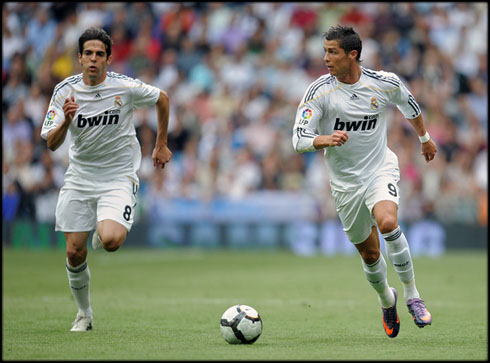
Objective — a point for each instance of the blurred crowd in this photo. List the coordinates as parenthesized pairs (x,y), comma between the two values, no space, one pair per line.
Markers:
(235,74)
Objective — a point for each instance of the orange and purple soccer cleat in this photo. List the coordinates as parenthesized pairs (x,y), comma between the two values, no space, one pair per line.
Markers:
(391,323)
(420,314)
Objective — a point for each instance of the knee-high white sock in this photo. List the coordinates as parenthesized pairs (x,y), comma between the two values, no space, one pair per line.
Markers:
(376,275)
(79,280)
(399,255)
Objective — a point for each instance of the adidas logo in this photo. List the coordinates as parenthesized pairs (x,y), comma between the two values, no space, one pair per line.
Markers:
(98,95)
(354,97)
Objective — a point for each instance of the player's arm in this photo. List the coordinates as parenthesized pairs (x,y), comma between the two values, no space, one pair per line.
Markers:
(161,152)
(57,136)
(428,146)
(410,109)
(338,138)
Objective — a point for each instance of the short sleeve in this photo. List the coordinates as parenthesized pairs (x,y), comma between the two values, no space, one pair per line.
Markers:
(405,102)
(144,95)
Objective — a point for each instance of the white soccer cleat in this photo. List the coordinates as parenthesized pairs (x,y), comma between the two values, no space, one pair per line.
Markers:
(82,323)
(96,244)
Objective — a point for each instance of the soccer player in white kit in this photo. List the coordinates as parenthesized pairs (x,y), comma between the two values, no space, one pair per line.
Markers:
(343,112)
(100,183)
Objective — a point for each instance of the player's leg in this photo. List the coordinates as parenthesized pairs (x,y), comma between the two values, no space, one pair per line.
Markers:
(79,278)
(374,266)
(382,200)
(396,245)
(360,228)
(75,216)
(398,252)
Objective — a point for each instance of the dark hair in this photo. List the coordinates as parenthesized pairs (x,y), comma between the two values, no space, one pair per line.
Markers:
(347,37)
(97,34)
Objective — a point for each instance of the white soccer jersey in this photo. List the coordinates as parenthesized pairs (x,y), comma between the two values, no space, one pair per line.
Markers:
(359,109)
(103,138)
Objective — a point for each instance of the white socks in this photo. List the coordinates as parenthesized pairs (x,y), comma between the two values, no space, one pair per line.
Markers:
(376,275)
(79,280)
(398,254)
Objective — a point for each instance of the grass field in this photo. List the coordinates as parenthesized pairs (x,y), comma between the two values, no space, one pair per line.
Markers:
(166,305)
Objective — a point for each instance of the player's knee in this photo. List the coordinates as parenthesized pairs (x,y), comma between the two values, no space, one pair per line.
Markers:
(110,246)
(388,224)
(76,255)
(112,243)
(370,256)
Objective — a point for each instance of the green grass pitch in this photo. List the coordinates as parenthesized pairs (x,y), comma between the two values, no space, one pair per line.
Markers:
(166,305)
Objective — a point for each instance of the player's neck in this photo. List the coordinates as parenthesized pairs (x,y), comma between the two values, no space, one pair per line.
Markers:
(93,82)
(352,76)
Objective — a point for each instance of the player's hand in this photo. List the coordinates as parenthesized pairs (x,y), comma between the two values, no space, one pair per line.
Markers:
(429,150)
(339,138)
(161,155)
(70,108)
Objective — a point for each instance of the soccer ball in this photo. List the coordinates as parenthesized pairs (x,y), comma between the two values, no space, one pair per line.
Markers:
(241,324)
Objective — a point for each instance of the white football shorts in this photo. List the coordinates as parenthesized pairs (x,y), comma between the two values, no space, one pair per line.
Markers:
(355,208)
(80,209)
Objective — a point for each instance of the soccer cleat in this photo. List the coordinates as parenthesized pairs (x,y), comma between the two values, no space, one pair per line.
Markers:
(82,323)
(391,323)
(96,244)
(420,314)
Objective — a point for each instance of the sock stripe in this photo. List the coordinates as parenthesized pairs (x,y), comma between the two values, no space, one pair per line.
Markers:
(81,268)
(374,263)
(394,236)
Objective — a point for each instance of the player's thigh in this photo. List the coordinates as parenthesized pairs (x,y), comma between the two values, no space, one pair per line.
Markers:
(384,193)
(75,211)
(355,217)
(117,204)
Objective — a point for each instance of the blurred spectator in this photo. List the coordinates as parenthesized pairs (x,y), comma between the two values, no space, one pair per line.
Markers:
(41,31)
(37,105)
(146,136)
(18,80)
(245,176)
(15,128)
(478,101)
(122,47)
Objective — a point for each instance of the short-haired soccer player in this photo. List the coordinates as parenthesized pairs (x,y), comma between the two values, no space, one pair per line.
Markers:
(101,184)
(343,113)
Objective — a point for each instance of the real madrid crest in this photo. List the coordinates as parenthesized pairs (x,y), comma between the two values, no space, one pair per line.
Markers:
(118,102)
(374,103)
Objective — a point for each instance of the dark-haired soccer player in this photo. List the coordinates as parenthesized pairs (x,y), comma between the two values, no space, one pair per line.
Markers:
(101,184)
(343,112)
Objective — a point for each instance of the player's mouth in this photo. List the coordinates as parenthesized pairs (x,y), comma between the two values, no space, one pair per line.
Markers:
(92,68)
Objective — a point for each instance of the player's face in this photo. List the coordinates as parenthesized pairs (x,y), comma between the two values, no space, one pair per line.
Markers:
(338,62)
(94,61)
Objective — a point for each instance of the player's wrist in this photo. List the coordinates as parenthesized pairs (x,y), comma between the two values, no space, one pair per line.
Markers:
(321,142)
(425,138)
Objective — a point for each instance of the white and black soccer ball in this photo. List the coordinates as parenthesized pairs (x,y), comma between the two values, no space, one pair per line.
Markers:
(241,324)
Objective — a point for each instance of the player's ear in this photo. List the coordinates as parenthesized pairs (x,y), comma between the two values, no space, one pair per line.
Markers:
(109,59)
(353,54)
